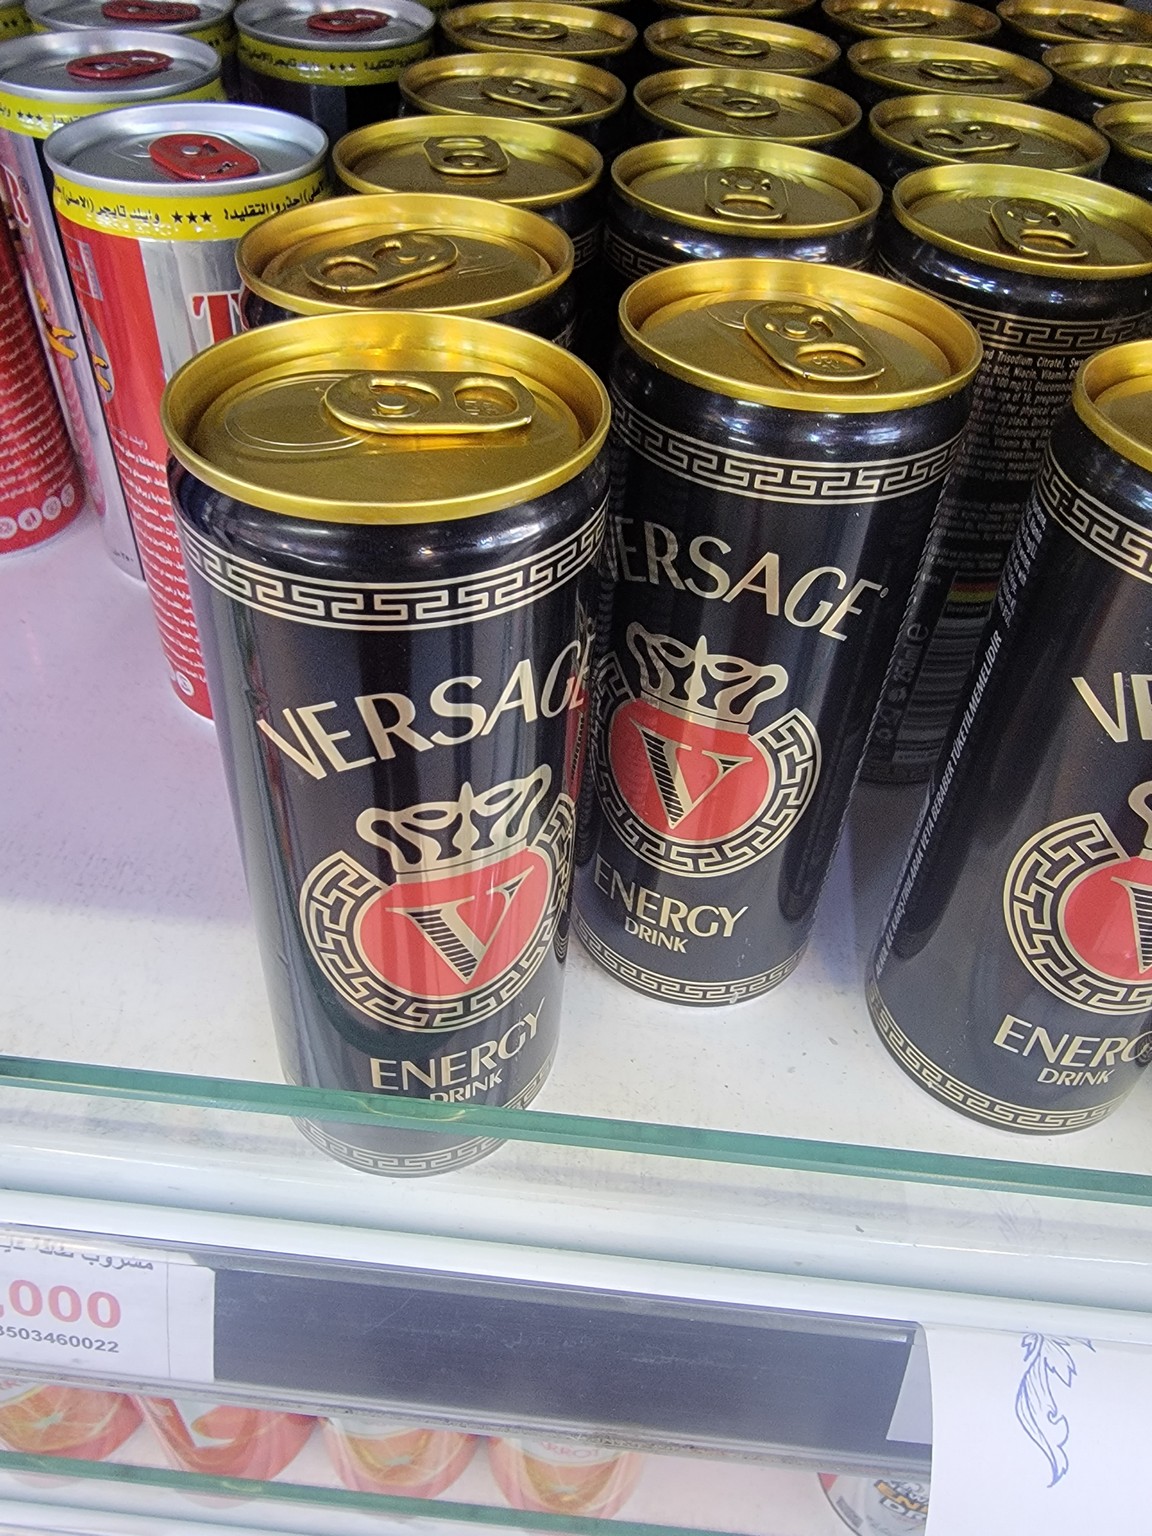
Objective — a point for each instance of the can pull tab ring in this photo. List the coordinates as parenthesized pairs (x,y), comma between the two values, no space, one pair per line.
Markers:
(131,64)
(722,101)
(348,22)
(531,95)
(1044,231)
(1096,28)
(419,403)
(748,194)
(523,29)
(969,138)
(961,71)
(374,266)
(201,157)
(730,45)
(814,342)
(157,12)
(466,154)
(896,18)
(1131,77)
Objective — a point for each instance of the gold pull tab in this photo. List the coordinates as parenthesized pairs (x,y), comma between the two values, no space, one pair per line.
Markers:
(532,95)
(969,138)
(414,403)
(722,101)
(815,342)
(1044,231)
(465,154)
(1131,77)
(373,266)
(523,29)
(747,193)
(894,18)
(1095,28)
(961,71)
(729,45)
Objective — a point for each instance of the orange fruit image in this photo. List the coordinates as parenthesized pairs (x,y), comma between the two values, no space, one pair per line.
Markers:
(64,1421)
(374,1456)
(222,1439)
(551,1477)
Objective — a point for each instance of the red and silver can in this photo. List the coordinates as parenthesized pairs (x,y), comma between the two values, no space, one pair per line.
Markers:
(207,21)
(152,203)
(45,82)
(41,490)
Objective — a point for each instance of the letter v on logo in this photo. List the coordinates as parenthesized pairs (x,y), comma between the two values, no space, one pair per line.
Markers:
(664,758)
(446,925)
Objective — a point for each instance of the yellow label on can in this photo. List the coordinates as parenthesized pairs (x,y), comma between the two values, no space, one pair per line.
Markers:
(344,66)
(13,22)
(151,214)
(37,119)
(219,34)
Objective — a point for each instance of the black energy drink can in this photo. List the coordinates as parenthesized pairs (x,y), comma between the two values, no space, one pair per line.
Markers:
(552,27)
(1089,76)
(1049,269)
(397,660)
(893,66)
(850,20)
(1034,26)
(334,64)
(406,251)
(908,133)
(781,433)
(1014,977)
(1127,127)
(738,42)
(722,103)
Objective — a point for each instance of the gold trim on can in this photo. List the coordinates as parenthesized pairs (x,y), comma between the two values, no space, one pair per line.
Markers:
(718,103)
(1099,70)
(979,130)
(553,27)
(1040,222)
(913,18)
(509,416)
(363,253)
(748,186)
(738,42)
(1127,125)
(804,337)
(769,10)
(531,87)
(1050,22)
(476,156)
(1113,398)
(898,64)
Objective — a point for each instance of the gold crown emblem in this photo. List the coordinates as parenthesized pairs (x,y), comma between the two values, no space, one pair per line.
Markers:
(701,685)
(441,835)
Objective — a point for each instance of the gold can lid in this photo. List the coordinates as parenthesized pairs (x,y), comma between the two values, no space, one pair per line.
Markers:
(537,26)
(913,18)
(1040,222)
(1075,21)
(799,336)
(1114,72)
(1127,125)
(771,10)
(786,109)
(498,159)
(738,186)
(529,86)
(741,42)
(978,130)
(1113,398)
(385,419)
(405,250)
(931,64)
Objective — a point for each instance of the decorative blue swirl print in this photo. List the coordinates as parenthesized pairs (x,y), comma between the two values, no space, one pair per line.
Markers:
(1047,1361)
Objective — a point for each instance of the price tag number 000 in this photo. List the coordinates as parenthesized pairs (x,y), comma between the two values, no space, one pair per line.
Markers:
(31,1313)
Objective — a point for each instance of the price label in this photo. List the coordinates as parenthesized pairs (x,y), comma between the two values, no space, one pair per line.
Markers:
(113,1311)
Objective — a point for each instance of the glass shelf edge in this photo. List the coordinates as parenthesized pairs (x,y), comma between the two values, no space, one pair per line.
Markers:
(588,1131)
(233,1488)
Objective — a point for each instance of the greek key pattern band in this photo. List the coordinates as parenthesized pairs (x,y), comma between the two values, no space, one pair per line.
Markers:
(586,245)
(762,478)
(959,1095)
(629,260)
(1027,333)
(1038,879)
(396,606)
(338,890)
(1107,533)
(672,988)
(398,1163)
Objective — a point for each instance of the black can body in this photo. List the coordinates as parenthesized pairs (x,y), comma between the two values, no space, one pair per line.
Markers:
(397,749)
(553,317)
(759,560)
(1036,330)
(335,108)
(1009,979)
(1130,173)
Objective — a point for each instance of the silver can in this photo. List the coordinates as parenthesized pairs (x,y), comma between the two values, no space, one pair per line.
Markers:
(205,21)
(152,202)
(47,81)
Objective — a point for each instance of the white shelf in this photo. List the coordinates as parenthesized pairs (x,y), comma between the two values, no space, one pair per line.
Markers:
(125,940)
